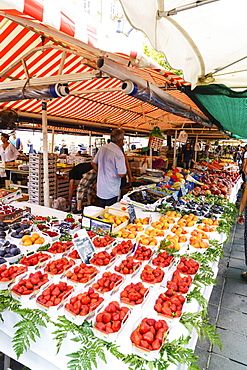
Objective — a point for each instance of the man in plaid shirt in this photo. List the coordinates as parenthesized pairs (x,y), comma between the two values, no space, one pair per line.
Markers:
(85,187)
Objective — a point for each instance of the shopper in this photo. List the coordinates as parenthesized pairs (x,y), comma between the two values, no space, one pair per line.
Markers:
(16,141)
(109,162)
(128,169)
(76,174)
(187,154)
(218,151)
(85,187)
(64,149)
(30,147)
(242,219)
(244,162)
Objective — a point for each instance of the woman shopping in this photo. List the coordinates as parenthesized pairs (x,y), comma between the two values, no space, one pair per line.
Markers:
(187,155)
(8,152)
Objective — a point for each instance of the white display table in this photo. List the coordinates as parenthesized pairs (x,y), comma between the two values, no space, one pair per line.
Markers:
(42,353)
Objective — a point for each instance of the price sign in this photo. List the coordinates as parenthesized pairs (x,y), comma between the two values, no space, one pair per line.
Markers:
(84,246)
(132,213)
(183,190)
(100,227)
(175,196)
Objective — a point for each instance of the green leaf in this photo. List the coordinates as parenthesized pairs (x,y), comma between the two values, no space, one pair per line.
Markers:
(200,324)
(7,302)
(44,247)
(27,328)
(196,294)
(205,276)
(64,327)
(66,237)
(178,353)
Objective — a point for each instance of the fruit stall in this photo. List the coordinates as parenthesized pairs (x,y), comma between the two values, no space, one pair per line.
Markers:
(133,297)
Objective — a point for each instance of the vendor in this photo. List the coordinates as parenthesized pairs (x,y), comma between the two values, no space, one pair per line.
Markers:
(9,154)
(8,151)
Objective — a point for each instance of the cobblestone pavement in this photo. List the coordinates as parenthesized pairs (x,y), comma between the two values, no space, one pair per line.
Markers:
(227,310)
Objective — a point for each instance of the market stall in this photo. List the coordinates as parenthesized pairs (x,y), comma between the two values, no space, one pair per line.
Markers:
(200,241)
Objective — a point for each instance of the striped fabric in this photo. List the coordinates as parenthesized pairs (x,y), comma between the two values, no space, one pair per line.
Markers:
(30,46)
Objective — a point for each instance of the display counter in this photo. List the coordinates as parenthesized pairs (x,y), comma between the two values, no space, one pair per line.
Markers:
(42,353)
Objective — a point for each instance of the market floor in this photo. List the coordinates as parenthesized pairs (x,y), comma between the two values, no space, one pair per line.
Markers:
(227,310)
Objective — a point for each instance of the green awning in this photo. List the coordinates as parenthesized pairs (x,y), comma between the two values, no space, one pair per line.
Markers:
(226,108)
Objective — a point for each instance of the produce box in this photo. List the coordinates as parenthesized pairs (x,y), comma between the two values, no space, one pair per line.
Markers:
(108,219)
(7,196)
(144,198)
(11,214)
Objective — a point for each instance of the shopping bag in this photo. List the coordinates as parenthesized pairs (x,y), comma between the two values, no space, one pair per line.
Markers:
(182,137)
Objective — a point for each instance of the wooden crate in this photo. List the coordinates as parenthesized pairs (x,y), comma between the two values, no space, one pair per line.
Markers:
(113,212)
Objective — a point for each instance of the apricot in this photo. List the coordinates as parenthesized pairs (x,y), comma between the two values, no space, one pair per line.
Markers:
(25,237)
(39,241)
(35,235)
(145,241)
(27,243)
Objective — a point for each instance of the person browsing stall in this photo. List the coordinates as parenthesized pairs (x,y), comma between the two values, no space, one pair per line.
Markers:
(109,162)
(187,155)
(16,141)
(76,174)
(242,220)
(85,187)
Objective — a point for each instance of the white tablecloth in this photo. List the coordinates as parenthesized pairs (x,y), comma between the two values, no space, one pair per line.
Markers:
(42,354)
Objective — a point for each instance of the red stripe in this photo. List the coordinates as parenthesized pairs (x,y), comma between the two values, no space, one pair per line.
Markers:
(14,41)
(7,31)
(22,48)
(31,64)
(67,25)
(41,63)
(35,8)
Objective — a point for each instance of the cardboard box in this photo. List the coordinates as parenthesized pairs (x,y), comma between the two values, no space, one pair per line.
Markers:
(11,196)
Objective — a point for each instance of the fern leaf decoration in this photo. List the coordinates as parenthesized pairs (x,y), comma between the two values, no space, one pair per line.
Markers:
(27,329)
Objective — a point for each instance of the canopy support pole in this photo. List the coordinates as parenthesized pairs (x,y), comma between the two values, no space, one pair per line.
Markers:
(45,155)
(90,143)
(52,140)
(150,158)
(175,150)
(195,151)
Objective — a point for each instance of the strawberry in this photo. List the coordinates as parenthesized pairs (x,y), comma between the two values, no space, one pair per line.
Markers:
(149,337)
(106,317)
(144,344)
(116,325)
(144,328)
(156,344)
(136,337)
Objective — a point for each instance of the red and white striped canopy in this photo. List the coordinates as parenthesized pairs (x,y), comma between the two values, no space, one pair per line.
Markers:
(33,51)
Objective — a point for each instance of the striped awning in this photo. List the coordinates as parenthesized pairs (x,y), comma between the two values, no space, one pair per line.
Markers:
(33,53)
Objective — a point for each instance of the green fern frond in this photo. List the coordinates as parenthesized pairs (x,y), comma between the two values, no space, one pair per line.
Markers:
(200,324)
(27,328)
(178,353)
